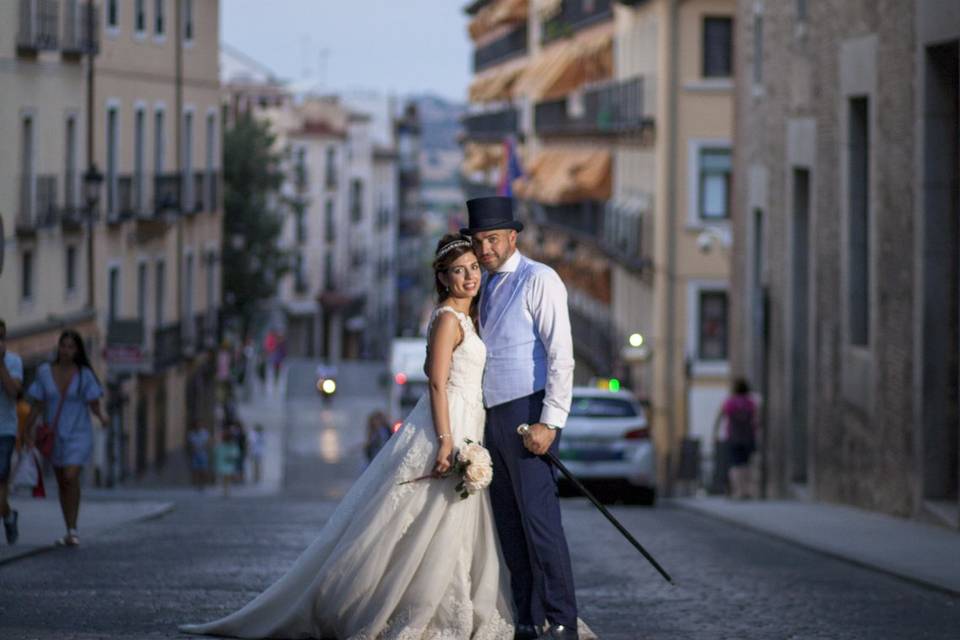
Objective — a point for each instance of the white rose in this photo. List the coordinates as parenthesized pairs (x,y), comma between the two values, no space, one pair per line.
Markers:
(478,476)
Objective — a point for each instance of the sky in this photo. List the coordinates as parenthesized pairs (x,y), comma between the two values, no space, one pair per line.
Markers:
(397,47)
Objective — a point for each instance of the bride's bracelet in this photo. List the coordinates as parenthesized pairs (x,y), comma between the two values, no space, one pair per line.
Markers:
(441,436)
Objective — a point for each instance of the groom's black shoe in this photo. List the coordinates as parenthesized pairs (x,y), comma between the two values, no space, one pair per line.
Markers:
(525,632)
(561,632)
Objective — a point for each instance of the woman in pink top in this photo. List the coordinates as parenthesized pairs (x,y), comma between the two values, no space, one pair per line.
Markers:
(740,412)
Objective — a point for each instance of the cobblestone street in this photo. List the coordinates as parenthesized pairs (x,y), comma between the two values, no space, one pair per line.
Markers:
(210,555)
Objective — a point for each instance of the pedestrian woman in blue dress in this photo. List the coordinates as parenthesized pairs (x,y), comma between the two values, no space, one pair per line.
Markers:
(73,440)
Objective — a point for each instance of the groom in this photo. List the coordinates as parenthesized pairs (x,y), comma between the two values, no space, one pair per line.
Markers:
(528,379)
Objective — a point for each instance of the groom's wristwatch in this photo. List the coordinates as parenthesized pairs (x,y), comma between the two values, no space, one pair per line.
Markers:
(552,427)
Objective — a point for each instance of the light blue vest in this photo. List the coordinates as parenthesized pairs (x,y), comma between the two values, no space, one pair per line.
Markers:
(516,358)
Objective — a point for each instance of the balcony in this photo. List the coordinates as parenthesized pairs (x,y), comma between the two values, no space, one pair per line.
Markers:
(613,108)
(38,204)
(167,349)
(512,45)
(574,16)
(80,35)
(580,219)
(166,194)
(39,26)
(626,230)
(491,126)
(594,340)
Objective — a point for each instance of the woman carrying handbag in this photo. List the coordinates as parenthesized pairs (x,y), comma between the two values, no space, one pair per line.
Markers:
(65,393)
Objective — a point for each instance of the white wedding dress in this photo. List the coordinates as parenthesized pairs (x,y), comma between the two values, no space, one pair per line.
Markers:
(398,562)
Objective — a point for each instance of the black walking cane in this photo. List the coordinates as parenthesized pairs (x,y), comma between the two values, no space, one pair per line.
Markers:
(523,430)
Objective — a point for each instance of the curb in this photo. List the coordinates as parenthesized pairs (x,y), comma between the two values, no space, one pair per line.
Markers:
(155,514)
(906,577)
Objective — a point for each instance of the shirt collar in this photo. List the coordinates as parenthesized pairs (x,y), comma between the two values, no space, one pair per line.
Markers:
(511,264)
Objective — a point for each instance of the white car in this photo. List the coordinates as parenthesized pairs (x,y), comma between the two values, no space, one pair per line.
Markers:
(606,441)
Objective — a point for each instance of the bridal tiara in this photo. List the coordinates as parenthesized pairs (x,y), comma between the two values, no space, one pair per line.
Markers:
(450,247)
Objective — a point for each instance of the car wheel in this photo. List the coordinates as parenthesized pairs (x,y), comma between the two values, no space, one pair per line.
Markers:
(646,496)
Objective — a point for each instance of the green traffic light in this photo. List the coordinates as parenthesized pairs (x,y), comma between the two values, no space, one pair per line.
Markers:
(614,384)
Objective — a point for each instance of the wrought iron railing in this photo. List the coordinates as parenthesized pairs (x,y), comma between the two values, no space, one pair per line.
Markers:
(167,349)
(581,218)
(511,45)
(39,26)
(166,193)
(38,203)
(606,109)
(492,125)
(80,30)
(594,340)
(573,16)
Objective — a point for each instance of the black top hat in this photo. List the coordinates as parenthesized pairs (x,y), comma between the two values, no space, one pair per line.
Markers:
(487,214)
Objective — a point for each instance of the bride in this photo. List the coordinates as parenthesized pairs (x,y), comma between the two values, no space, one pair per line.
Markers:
(410,561)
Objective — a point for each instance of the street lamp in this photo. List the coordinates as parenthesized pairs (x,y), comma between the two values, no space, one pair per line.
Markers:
(92,181)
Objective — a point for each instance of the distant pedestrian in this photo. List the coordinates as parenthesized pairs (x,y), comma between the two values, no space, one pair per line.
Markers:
(225,455)
(240,437)
(256,443)
(199,442)
(65,392)
(11,384)
(740,413)
(378,432)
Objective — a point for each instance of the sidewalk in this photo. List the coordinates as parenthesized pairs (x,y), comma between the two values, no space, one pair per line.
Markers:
(41,522)
(922,553)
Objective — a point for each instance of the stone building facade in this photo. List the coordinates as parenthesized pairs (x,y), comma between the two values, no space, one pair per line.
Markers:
(845,308)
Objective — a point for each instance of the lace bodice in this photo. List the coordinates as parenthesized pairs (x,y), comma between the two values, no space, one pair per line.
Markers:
(466,370)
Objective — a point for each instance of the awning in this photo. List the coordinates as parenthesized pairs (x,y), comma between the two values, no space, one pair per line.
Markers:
(567,65)
(496,14)
(564,176)
(481,157)
(496,85)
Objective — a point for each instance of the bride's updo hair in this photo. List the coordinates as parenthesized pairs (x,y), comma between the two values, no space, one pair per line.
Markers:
(449,249)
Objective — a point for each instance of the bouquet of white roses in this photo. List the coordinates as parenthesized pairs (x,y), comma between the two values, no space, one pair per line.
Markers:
(472,464)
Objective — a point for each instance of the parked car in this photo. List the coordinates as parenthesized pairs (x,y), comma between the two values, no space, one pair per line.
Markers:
(606,444)
(409,381)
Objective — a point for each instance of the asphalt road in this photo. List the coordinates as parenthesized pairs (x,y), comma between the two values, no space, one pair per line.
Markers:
(211,555)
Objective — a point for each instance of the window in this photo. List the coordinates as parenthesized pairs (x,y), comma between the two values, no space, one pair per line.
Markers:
(160,286)
(113,292)
(717,47)
(142,291)
(188,291)
(211,281)
(210,197)
(802,10)
(188,19)
(140,16)
(714,183)
(587,407)
(356,200)
(70,165)
(712,326)
(111,177)
(159,25)
(159,141)
(328,281)
(757,48)
(331,227)
(188,161)
(26,273)
(113,13)
(331,167)
(138,148)
(70,268)
(26,171)
(858,175)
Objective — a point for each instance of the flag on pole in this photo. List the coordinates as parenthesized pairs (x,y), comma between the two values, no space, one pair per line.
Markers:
(510,170)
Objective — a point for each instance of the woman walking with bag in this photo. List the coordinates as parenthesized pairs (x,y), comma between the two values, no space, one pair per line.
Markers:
(65,393)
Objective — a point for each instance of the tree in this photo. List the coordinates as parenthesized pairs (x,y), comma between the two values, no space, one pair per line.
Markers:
(252,260)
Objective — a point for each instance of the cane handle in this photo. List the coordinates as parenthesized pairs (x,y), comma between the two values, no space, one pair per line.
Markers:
(523,429)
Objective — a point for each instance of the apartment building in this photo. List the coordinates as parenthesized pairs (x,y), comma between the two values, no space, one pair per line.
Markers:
(45,266)
(845,278)
(157,132)
(623,115)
